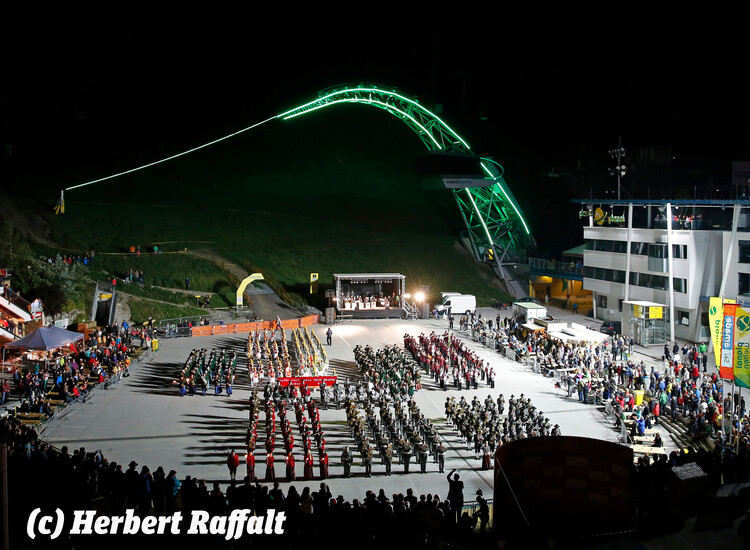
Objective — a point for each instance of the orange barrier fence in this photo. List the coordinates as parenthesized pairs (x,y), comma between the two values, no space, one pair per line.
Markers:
(286,324)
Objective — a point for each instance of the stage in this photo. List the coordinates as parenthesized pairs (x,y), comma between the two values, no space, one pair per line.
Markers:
(376,313)
(369,295)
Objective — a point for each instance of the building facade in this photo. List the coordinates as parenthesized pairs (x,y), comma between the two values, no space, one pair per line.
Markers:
(669,254)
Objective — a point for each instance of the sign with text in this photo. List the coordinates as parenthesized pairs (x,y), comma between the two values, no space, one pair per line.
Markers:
(715,317)
(310,381)
(726,363)
(742,347)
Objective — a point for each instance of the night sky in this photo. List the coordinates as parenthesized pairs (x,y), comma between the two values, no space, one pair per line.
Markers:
(89,84)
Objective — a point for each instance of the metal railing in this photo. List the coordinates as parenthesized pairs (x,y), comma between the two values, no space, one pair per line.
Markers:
(570,268)
(16,299)
(472,509)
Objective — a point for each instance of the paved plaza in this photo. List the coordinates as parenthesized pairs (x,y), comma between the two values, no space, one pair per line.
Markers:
(143,418)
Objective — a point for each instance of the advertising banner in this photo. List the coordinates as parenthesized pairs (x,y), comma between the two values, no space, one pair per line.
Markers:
(726,361)
(742,347)
(715,319)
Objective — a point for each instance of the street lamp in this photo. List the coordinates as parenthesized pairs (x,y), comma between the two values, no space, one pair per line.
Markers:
(619,155)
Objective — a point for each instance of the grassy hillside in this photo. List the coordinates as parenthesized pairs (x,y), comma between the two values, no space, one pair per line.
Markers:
(336,191)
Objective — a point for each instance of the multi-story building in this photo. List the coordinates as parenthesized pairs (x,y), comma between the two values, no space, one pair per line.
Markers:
(653,264)
(14,311)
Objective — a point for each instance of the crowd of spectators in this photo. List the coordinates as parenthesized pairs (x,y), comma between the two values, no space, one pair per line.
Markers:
(85,260)
(70,372)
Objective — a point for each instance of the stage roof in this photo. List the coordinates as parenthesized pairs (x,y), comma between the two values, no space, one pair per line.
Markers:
(368,275)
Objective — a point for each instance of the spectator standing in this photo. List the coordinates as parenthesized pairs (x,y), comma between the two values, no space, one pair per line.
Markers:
(455,495)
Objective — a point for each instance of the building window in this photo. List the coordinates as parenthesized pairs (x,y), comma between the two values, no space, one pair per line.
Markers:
(683,317)
(611,275)
(619,305)
(679,251)
(743,285)
(657,250)
(744,257)
(680,285)
(657,282)
(601,301)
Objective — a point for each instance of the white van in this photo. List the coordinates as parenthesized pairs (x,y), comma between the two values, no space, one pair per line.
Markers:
(459,304)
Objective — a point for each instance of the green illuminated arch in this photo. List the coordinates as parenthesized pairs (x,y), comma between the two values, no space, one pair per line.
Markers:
(494,220)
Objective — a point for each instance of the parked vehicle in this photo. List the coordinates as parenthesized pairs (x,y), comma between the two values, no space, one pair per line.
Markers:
(611,327)
(458,304)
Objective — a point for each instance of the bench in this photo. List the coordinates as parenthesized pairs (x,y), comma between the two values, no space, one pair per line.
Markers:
(31,416)
(648,450)
(31,422)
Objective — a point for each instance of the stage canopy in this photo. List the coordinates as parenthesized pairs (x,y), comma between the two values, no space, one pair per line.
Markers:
(369,292)
(46,338)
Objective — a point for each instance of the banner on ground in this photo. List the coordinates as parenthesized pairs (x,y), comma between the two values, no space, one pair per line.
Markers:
(742,347)
(726,355)
(312,381)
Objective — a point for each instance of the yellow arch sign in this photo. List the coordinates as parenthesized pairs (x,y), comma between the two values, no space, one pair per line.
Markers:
(243,286)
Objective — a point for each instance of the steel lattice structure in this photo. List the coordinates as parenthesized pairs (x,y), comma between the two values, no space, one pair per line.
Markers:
(494,221)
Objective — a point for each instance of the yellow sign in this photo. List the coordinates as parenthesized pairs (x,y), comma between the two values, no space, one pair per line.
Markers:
(599,216)
(649,312)
(313,283)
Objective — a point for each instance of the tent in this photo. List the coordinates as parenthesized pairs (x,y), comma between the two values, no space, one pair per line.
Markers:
(46,338)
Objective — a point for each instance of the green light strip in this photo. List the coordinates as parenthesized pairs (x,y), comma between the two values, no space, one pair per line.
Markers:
(507,198)
(309,105)
(386,106)
(487,231)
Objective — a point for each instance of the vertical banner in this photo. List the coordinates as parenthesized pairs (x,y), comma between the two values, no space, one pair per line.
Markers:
(742,347)
(715,321)
(726,362)
(313,283)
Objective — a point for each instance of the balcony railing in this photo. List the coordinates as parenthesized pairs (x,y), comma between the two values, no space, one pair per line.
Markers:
(557,267)
(16,300)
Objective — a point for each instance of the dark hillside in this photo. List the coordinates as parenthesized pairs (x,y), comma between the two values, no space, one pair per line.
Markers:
(334,191)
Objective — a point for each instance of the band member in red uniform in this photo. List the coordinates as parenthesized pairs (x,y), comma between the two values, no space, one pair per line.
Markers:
(323,459)
(233,461)
(290,474)
(250,462)
(309,465)
(270,472)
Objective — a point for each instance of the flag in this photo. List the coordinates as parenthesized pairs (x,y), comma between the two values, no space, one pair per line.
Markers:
(742,347)
(716,321)
(726,363)
(60,206)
